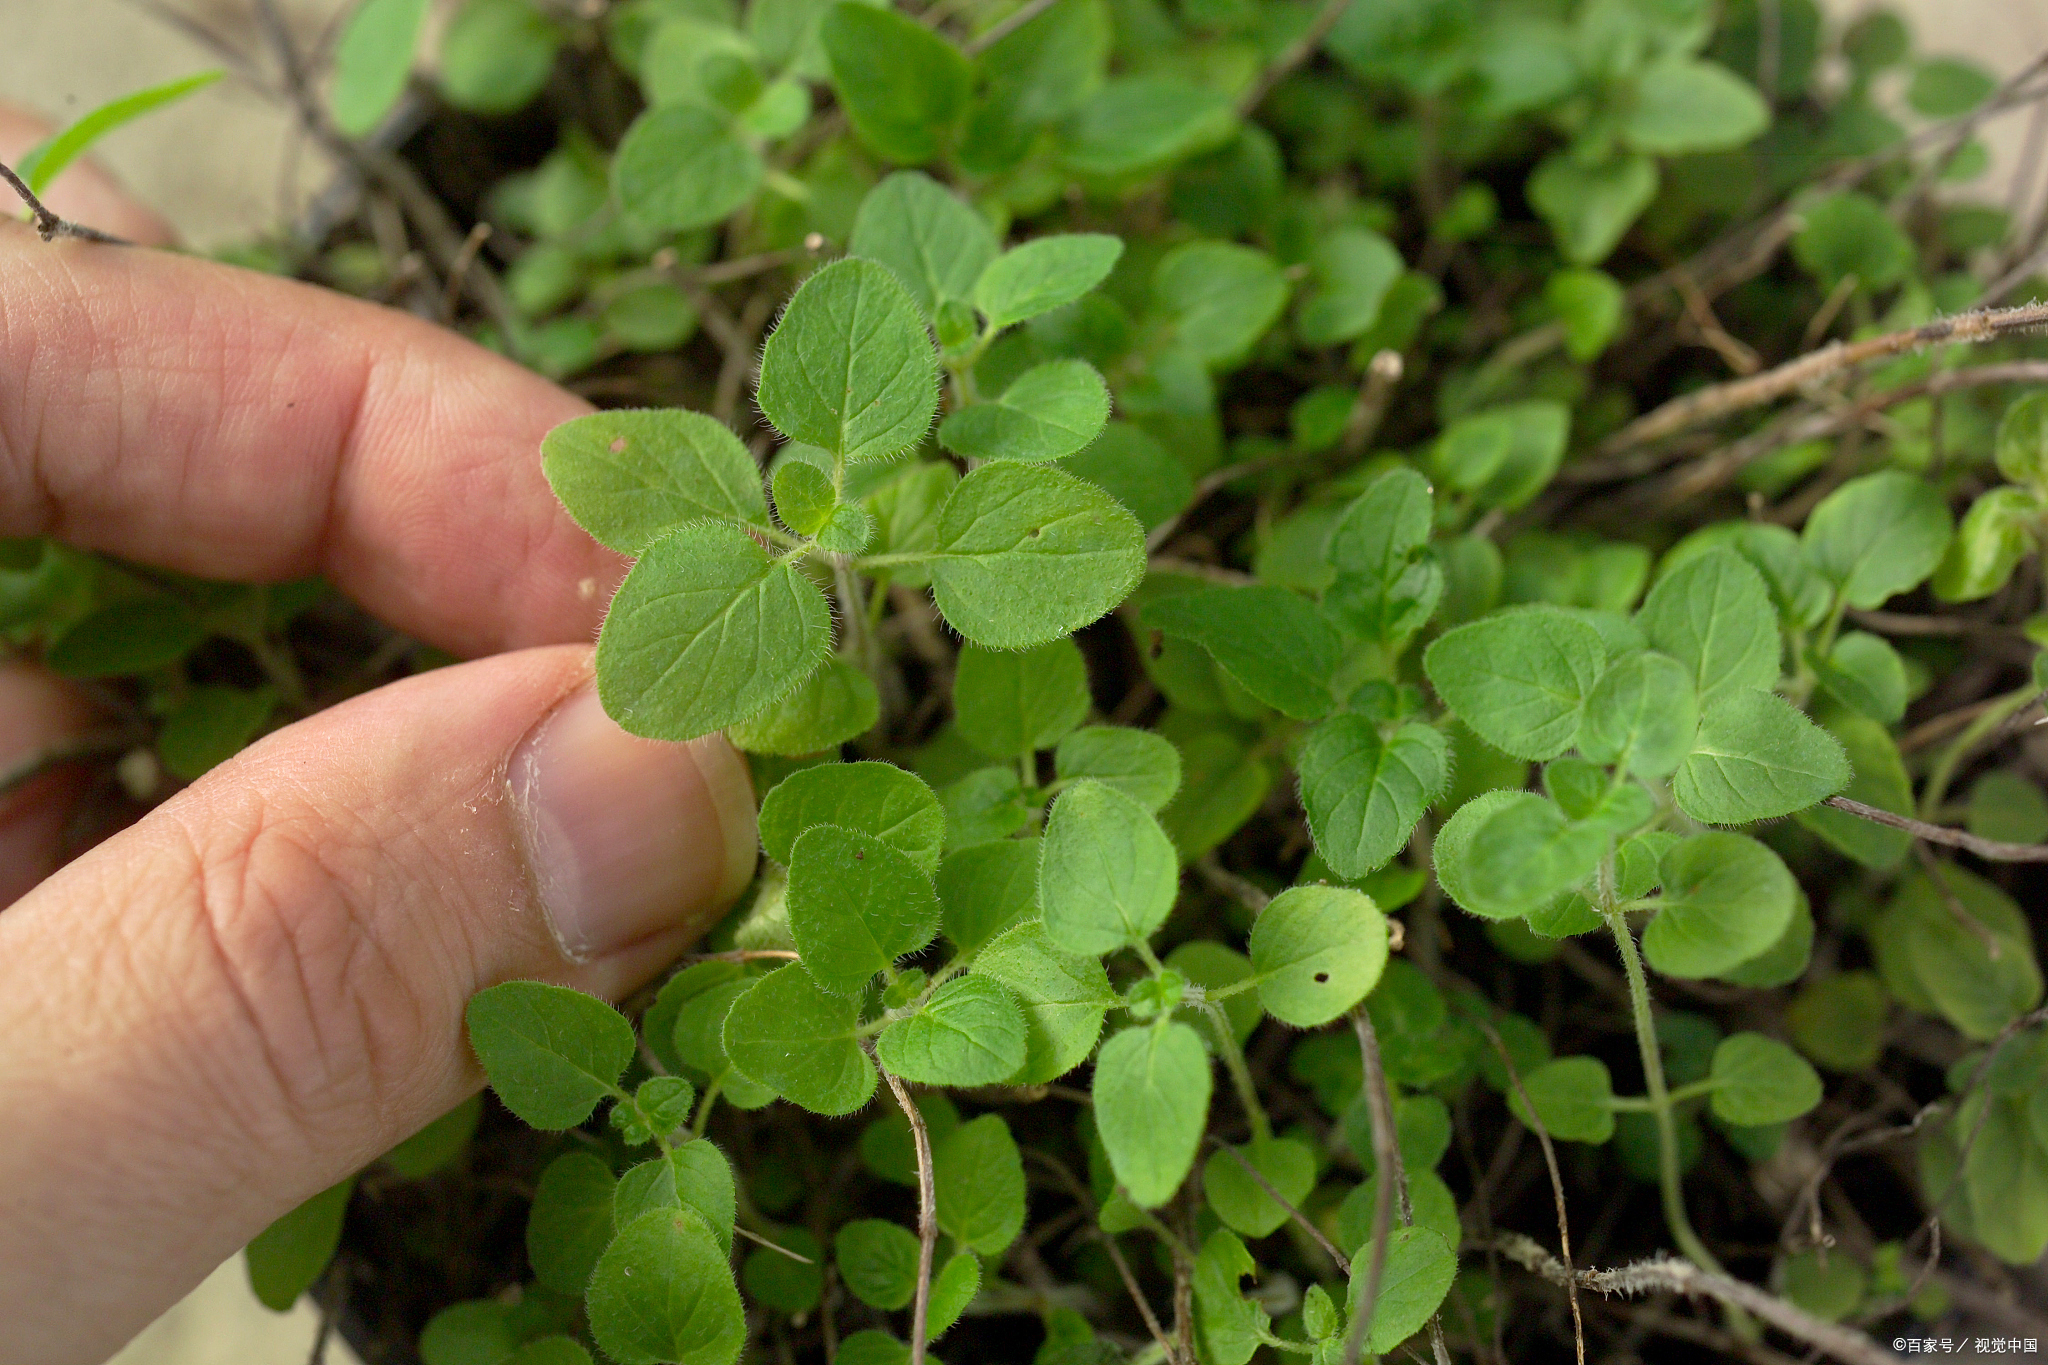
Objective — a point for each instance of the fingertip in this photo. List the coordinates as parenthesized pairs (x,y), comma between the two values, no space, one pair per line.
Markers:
(39,715)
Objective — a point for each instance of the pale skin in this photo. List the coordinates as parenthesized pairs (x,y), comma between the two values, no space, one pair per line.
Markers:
(258,987)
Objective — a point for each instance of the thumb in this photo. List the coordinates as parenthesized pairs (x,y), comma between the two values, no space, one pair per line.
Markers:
(259,988)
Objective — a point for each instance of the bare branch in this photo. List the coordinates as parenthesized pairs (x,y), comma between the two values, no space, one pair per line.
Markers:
(1992,850)
(1670,1274)
(1293,55)
(1386,1153)
(982,42)
(1273,1193)
(927,1217)
(49,226)
(1721,400)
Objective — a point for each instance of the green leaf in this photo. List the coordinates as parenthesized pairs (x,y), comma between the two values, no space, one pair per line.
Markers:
(1026,554)
(1520,856)
(1878,536)
(2006,806)
(680,166)
(683,1028)
(210,726)
(659,1106)
(800,1042)
(1518,678)
(693,1175)
(570,1224)
(1435,1207)
(473,1332)
(1364,794)
(1714,615)
(1683,104)
(1726,899)
(1137,763)
(882,800)
(1064,997)
(630,477)
(987,888)
(856,904)
(2006,1178)
(872,1348)
(1318,950)
(1866,674)
(836,704)
(969,1033)
(554,1350)
(1137,471)
(1759,1080)
(1591,205)
(662,1293)
(707,631)
(1504,456)
(551,1053)
(1222,787)
(804,496)
(1839,1020)
(1592,306)
(878,1261)
(953,1288)
(979,1180)
(2021,445)
(1008,703)
(1571,1096)
(1933,960)
(1451,853)
(48,159)
(1240,1201)
(1229,1328)
(372,61)
(1785,961)
(1756,758)
(850,368)
(1108,875)
(1135,125)
(903,86)
(1217,299)
(1151,1103)
(287,1257)
(1850,234)
(1272,642)
(1995,535)
(985,805)
(1642,714)
(776,1281)
(134,635)
(1350,271)
(937,245)
(1043,274)
(1944,87)
(1050,411)
(496,55)
(1418,1272)
(907,518)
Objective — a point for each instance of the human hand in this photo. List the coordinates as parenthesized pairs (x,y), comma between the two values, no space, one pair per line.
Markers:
(258,988)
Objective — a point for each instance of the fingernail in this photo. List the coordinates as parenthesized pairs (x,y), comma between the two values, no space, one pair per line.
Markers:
(627,837)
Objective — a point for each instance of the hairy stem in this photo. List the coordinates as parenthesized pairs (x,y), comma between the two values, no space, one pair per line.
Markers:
(1240,1074)
(927,1217)
(1386,1154)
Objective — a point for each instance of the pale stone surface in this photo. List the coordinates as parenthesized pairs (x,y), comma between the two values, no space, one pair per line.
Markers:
(221,1323)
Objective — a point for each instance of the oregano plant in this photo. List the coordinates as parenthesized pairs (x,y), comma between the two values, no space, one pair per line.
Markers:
(1388,651)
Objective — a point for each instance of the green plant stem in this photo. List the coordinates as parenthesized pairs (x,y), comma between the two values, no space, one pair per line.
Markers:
(1661,1108)
(1991,719)
(1659,1098)
(1240,1074)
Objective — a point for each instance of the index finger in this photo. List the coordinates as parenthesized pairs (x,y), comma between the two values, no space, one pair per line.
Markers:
(233,425)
